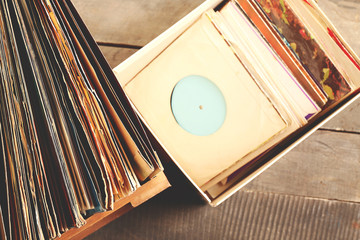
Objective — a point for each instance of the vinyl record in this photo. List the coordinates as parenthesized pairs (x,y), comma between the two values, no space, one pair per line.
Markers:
(198,105)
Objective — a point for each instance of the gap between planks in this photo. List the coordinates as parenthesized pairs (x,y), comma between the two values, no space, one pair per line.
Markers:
(119,45)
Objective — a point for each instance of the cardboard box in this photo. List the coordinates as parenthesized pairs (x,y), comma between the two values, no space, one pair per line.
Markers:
(132,66)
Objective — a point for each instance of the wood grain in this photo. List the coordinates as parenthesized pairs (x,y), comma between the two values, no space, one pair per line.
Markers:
(139,21)
(346,121)
(326,165)
(247,215)
(131,21)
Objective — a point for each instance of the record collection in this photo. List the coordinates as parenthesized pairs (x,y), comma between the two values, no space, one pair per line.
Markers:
(240,80)
(71,144)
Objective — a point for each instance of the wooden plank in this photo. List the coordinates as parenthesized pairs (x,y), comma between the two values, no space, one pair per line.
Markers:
(139,21)
(347,120)
(247,215)
(131,21)
(326,165)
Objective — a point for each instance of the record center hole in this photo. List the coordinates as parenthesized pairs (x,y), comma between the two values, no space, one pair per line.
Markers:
(201,107)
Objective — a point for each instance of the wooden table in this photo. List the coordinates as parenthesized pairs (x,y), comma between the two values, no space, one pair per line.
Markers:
(311,193)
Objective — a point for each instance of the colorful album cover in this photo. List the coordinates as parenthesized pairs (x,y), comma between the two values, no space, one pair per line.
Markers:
(306,48)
